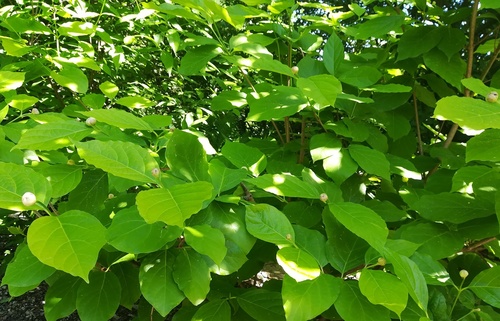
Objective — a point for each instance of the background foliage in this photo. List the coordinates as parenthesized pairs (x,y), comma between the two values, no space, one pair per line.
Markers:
(254,160)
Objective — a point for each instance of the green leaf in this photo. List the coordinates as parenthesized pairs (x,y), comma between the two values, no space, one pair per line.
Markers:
(109,89)
(128,275)
(21,102)
(298,264)
(385,289)
(307,299)
(453,40)
(353,306)
(16,48)
(118,118)
(360,76)
(285,185)
(485,4)
(94,101)
(452,70)
(60,298)
(243,156)
(390,88)
(484,147)
(69,242)
(217,310)
(340,166)
(224,178)
(267,223)
(175,204)
(282,101)
(363,222)
(10,80)
(90,194)
(486,285)
(311,242)
(195,60)
(53,136)
(122,159)
(228,100)
(186,157)
(192,275)
(129,233)
(267,64)
(206,240)
(262,305)
(72,78)
(324,145)
(25,269)
(323,89)
(417,41)
(99,299)
(17,180)
(333,53)
(435,240)
(409,273)
(452,207)
(62,178)
(135,102)
(371,160)
(157,283)
(434,272)
(377,27)
(468,112)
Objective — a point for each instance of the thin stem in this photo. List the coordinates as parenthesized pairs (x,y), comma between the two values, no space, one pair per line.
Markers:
(478,244)
(302,141)
(491,62)
(417,121)
(287,129)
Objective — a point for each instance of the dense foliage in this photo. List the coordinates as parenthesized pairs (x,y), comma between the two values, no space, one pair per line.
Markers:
(255,160)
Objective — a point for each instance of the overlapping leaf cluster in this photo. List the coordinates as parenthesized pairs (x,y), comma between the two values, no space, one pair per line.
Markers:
(262,160)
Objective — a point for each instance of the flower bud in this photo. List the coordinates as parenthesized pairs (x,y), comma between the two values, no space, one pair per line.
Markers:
(91,121)
(70,162)
(111,195)
(463,274)
(381,261)
(28,199)
(155,172)
(323,197)
(295,70)
(35,111)
(492,97)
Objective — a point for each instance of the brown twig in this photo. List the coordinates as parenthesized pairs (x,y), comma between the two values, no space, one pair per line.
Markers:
(247,196)
(477,245)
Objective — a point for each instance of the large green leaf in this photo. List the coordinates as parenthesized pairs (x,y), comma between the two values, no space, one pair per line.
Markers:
(371,160)
(324,145)
(323,89)
(69,242)
(217,310)
(452,207)
(135,102)
(243,156)
(62,178)
(90,194)
(175,204)
(484,147)
(377,27)
(206,240)
(281,102)
(186,157)
(53,135)
(363,222)
(486,285)
(10,80)
(26,269)
(195,60)
(267,64)
(192,275)
(307,299)
(22,101)
(285,185)
(228,99)
(122,159)
(385,289)
(267,223)
(224,178)
(417,41)
(118,118)
(129,233)
(98,300)
(353,306)
(60,298)
(72,78)
(298,264)
(340,166)
(17,180)
(312,242)
(262,305)
(452,70)
(360,76)
(157,283)
(128,275)
(333,53)
(468,112)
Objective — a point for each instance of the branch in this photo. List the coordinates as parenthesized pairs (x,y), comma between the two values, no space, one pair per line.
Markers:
(477,245)
(417,121)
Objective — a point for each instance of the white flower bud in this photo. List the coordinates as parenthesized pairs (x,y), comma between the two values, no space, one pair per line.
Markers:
(111,195)
(492,97)
(155,172)
(70,162)
(91,121)
(323,197)
(28,199)
(35,111)
(381,261)
(463,274)
(295,70)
